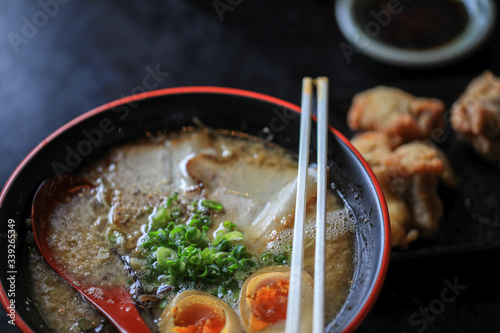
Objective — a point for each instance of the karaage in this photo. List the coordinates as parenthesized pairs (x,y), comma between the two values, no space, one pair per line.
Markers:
(397,113)
(408,175)
(476,115)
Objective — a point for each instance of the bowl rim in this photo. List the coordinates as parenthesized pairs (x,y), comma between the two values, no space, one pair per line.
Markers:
(385,258)
(478,28)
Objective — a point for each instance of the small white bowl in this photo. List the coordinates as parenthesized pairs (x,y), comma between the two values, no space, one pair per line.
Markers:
(480,22)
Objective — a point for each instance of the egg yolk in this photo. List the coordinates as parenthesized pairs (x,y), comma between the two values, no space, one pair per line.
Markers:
(198,318)
(269,304)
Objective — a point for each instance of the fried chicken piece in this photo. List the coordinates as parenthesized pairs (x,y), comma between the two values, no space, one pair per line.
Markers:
(408,175)
(395,112)
(423,158)
(476,115)
(376,147)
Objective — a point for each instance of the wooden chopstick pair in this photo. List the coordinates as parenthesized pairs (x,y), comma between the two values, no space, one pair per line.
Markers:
(295,289)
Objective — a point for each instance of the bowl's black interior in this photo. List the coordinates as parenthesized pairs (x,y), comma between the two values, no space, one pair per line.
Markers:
(96,132)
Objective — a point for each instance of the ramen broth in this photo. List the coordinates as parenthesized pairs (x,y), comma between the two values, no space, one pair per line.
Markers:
(103,235)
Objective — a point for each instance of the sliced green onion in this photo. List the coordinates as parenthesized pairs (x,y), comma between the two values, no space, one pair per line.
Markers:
(211,204)
(160,215)
(146,244)
(247,264)
(194,260)
(209,259)
(239,251)
(221,255)
(170,226)
(161,237)
(194,223)
(182,266)
(178,232)
(84,324)
(233,236)
(221,291)
(218,238)
(194,207)
(172,271)
(213,269)
(240,275)
(192,234)
(206,221)
(175,213)
(231,263)
(189,251)
(281,259)
(287,247)
(201,271)
(166,279)
(206,252)
(230,226)
(266,258)
(177,248)
(165,255)
(204,231)
(224,245)
(172,199)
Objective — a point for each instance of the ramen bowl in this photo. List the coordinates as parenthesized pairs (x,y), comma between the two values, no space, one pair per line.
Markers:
(90,136)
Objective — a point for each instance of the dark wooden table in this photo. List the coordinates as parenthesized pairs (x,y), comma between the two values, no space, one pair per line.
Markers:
(61,58)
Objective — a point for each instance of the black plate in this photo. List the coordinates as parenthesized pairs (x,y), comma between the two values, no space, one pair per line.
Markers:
(90,136)
(471,218)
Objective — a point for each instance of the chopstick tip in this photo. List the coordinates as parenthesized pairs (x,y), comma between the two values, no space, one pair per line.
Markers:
(307,85)
(321,79)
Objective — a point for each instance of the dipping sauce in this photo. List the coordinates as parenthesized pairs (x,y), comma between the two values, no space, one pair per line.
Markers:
(417,24)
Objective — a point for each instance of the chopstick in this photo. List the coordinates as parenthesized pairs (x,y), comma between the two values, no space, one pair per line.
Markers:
(319,254)
(295,287)
(294,295)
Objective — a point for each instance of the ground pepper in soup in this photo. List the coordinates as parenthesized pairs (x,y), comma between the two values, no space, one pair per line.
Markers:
(198,225)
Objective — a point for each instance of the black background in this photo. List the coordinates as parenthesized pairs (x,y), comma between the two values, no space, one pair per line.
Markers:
(87,53)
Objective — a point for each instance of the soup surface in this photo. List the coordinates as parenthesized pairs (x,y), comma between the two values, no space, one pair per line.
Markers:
(194,210)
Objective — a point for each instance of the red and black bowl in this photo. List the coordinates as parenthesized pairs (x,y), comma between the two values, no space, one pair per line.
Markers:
(89,136)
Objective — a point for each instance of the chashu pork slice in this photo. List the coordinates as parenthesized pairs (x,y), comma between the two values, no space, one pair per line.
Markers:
(142,175)
(258,198)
